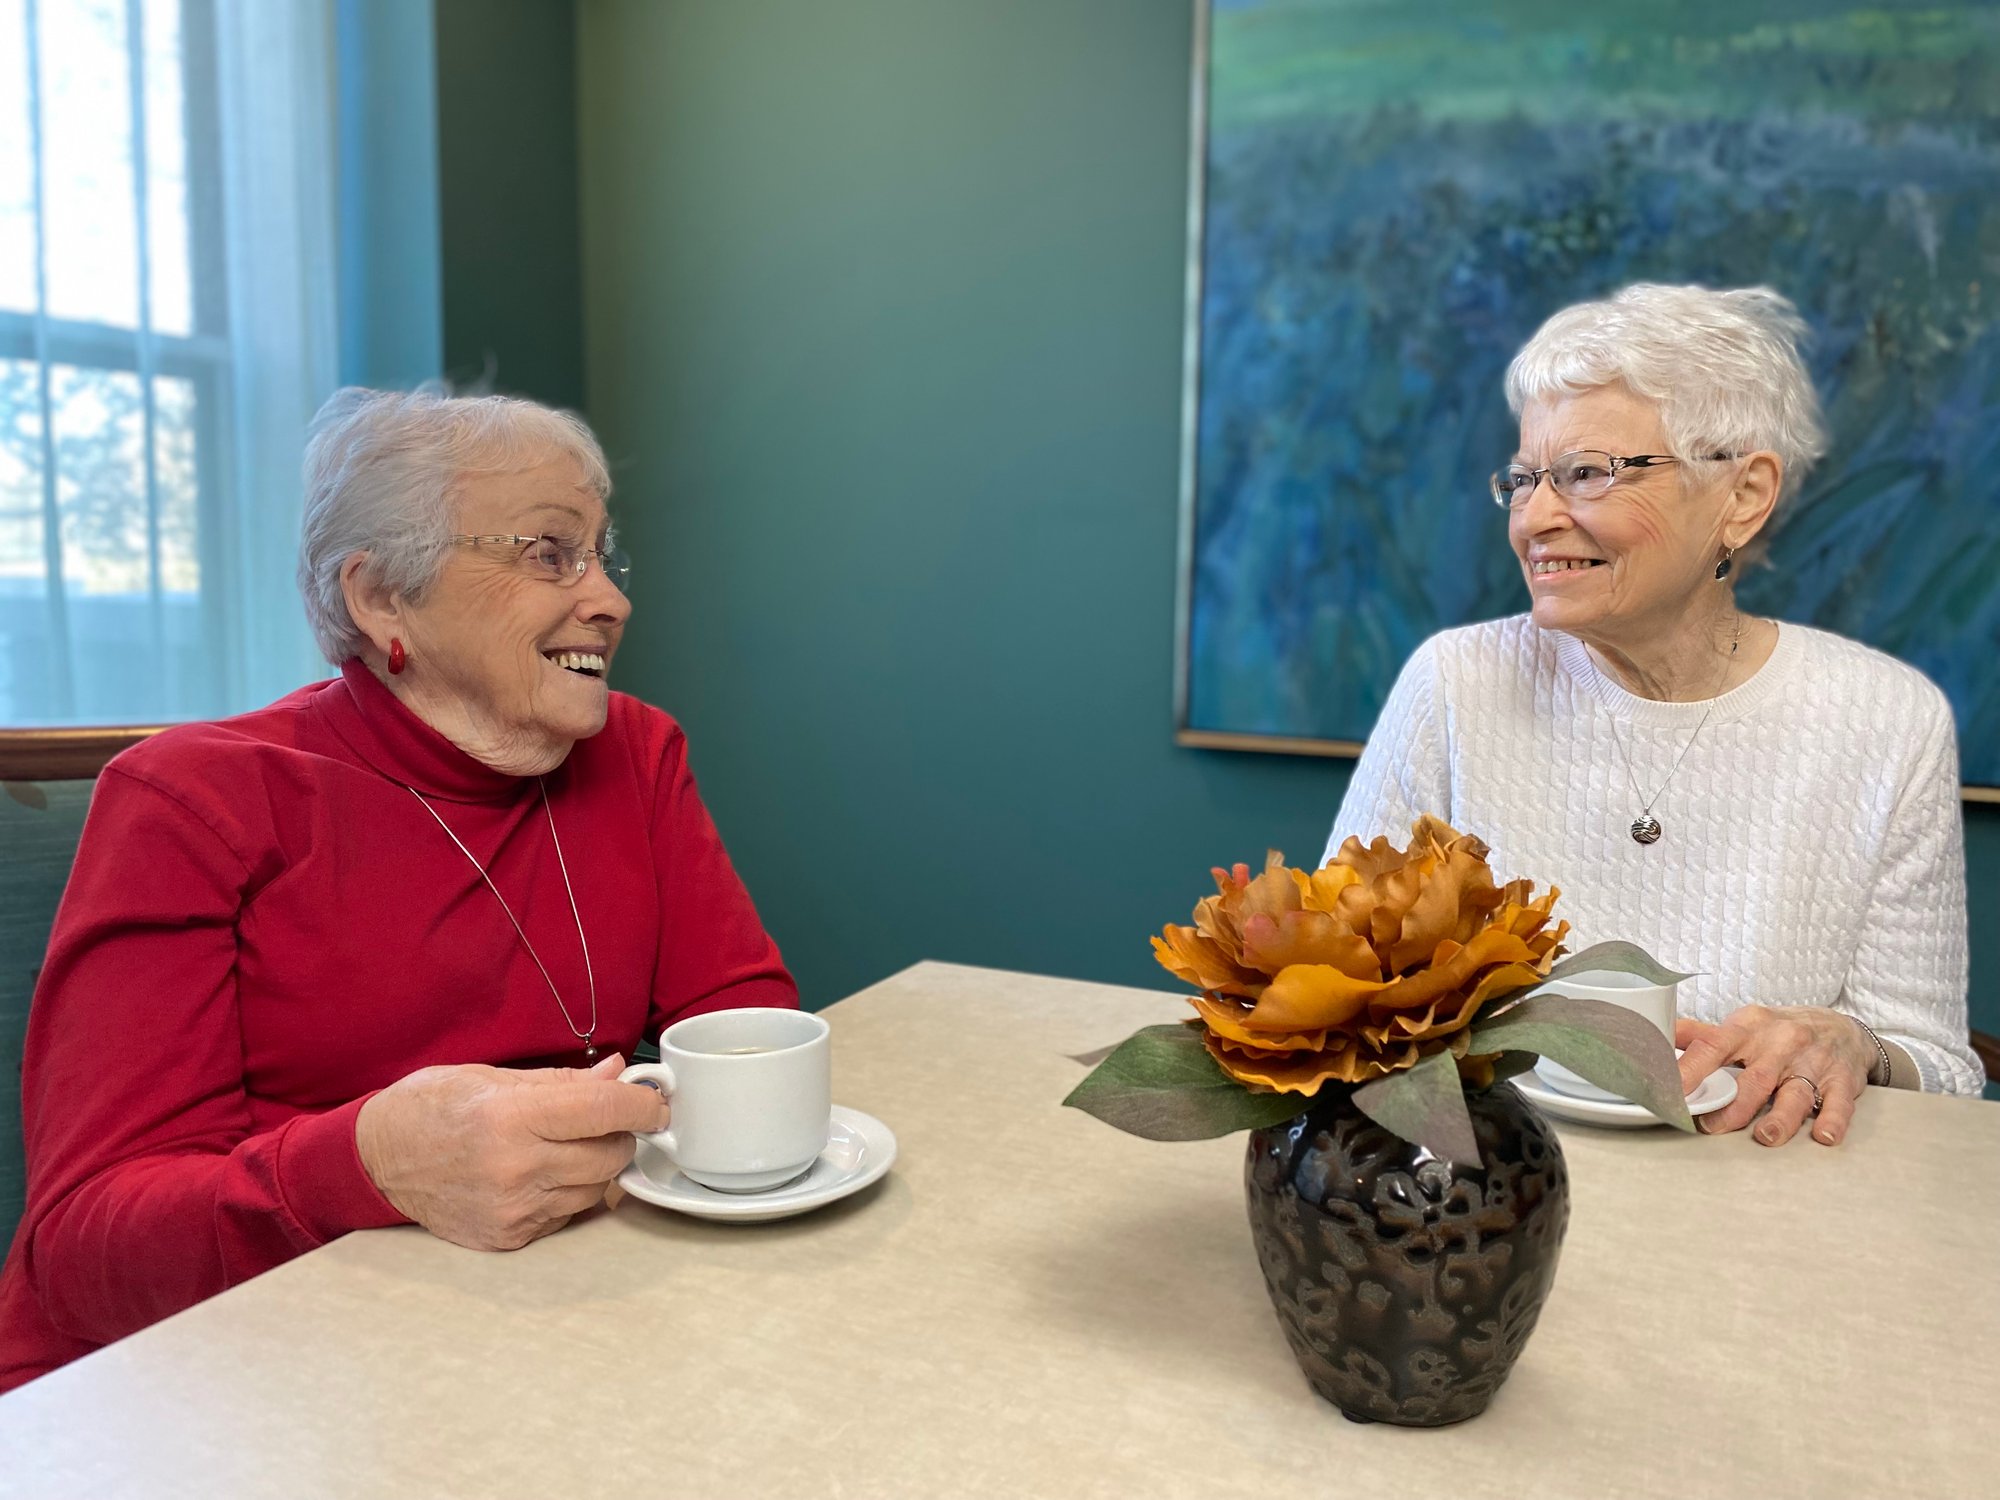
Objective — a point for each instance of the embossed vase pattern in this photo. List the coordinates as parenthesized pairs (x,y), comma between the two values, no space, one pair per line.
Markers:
(1407,1285)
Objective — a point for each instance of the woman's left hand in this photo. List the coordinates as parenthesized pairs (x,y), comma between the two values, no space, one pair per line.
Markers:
(1778,1046)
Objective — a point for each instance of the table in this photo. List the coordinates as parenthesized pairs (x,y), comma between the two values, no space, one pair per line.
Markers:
(1035,1304)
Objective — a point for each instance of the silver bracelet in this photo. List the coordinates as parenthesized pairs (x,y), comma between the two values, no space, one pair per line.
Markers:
(1888,1067)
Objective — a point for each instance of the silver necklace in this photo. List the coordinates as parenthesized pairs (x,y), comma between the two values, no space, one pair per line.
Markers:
(1646,828)
(588,1034)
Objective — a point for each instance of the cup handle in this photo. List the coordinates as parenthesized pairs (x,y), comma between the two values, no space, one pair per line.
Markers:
(654,1076)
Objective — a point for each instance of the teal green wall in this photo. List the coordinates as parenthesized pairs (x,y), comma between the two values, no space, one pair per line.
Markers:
(883,330)
(506,144)
(386,117)
(883,319)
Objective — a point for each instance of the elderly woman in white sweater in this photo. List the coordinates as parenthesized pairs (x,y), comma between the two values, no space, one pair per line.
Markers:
(1771,806)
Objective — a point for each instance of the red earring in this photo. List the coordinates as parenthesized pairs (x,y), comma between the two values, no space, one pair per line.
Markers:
(398,659)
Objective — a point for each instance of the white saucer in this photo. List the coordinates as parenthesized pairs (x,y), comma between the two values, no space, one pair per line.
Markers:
(859,1149)
(1714,1092)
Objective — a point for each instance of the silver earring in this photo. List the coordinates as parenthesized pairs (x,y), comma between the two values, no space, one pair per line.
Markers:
(1723,568)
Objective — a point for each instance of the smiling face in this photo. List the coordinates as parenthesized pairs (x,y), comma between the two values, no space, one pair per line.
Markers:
(1632,561)
(507,663)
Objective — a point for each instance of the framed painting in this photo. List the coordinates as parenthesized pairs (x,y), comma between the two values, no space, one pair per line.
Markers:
(1388,199)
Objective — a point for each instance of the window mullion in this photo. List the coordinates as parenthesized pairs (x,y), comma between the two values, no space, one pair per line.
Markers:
(205,356)
(135,51)
(100,346)
(61,666)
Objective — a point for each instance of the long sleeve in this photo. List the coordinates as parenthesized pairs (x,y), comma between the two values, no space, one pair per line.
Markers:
(149,1190)
(1813,852)
(714,953)
(1403,771)
(264,926)
(1908,978)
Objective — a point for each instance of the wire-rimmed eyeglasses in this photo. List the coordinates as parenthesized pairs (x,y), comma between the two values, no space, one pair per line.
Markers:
(1582,475)
(556,560)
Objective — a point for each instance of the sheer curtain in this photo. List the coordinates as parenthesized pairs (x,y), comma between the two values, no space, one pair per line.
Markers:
(167,326)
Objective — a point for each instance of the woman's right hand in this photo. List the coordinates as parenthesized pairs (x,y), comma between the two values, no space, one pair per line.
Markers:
(1827,1053)
(492,1158)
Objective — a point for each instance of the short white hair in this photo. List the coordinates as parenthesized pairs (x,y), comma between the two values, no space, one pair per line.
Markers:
(381,470)
(1722,366)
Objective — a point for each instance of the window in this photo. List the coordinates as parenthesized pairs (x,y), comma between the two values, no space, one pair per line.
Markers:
(165,290)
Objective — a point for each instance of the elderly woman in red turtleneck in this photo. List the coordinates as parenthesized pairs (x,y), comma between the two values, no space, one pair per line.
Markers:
(372,954)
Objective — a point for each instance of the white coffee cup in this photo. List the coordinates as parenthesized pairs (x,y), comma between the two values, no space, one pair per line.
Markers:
(750,1092)
(1656,1002)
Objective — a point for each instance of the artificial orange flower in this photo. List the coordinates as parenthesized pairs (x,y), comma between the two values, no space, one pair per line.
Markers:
(1363,967)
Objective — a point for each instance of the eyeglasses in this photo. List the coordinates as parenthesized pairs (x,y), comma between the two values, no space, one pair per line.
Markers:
(1583,475)
(558,561)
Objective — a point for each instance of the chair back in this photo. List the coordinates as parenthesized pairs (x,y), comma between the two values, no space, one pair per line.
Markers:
(40,823)
(1987,1049)
(46,778)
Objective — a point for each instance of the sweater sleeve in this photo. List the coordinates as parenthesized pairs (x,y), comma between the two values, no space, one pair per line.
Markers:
(149,1190)
(714,952)
(1403,771)
(1908,978)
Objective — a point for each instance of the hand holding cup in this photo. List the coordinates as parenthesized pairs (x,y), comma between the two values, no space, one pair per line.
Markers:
(492,1158)
(1788,1053)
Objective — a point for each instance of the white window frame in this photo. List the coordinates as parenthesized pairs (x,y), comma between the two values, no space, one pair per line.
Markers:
(260,225)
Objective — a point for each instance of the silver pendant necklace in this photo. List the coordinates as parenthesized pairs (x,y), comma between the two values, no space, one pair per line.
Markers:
(588,1035)
(1646,828)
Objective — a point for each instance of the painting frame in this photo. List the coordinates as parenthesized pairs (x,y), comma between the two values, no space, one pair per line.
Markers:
(1185,733)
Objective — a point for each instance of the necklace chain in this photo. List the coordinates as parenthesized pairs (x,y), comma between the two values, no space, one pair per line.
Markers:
(588,1035)
(1646,804)
(1646,827)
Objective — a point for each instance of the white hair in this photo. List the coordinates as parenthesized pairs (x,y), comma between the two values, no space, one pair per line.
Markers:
(1723,368)
(381,470)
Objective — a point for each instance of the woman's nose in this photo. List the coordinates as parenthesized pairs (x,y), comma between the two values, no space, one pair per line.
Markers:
(1544,509)
(598,598)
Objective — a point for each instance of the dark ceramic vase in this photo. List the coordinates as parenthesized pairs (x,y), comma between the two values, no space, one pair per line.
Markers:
(1407,1285)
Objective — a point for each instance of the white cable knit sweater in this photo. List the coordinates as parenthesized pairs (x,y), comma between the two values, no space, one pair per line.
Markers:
(1814,846)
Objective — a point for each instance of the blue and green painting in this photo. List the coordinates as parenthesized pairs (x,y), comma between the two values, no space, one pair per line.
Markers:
(1398,194)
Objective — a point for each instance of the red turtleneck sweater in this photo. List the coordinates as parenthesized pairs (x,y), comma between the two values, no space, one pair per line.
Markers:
(263,927)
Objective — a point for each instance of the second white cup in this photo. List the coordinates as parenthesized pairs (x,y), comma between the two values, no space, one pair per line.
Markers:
(1658,1003)
(750,1092)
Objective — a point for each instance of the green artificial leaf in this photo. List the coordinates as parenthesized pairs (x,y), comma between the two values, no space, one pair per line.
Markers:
(1508,1064)
(1614,957)
(1162,1084)
(1094,1056)
(1425,1105)
(1615,1048)
(27,794)
(1617,957)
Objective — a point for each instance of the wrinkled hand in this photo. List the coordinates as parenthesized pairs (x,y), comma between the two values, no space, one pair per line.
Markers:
(1773,1042)
(492,1158)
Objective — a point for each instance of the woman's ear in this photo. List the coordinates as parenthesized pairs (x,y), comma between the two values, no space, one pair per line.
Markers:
(1752,498)
(375,609)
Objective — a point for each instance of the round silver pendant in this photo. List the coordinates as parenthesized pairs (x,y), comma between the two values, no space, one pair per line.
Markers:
(1645,829)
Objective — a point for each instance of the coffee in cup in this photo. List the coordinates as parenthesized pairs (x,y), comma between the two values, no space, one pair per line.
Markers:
(750,1093)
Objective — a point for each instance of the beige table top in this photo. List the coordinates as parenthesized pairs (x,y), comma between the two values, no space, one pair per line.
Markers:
(1035,1304)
